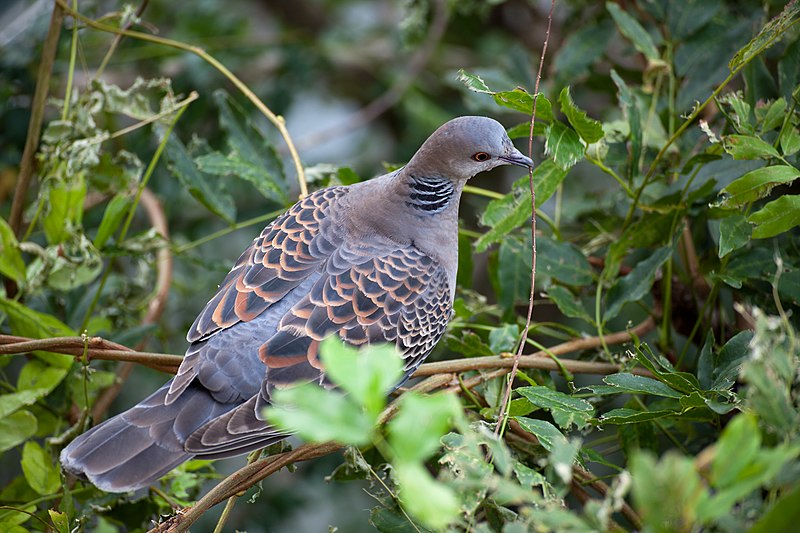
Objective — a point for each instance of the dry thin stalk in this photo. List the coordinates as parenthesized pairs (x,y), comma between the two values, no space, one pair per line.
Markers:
(501,422)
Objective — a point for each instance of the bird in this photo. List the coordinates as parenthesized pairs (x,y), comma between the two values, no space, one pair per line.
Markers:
(370,262)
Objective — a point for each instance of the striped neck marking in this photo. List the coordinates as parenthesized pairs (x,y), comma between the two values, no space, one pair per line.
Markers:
(430,194)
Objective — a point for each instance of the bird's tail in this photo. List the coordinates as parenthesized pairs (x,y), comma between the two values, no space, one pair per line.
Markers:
(135,448)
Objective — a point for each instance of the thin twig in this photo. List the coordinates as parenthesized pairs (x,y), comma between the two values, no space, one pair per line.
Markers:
(504,405)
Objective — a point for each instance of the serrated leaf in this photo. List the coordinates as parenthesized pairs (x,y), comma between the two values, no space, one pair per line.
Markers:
(549,436)
(748,147)
(567,303)
(641,385)
(205,190)
(768,35)
(252,154)
(563,144)
(776,217)
(40,473)
(734,232)
(633,31)
(11,264)
(565,409)
(473,82)
(522,101)
(636,283)
(589,129)
(112,217)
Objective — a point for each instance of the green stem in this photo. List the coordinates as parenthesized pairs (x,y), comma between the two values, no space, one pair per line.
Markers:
(469,189)
(124,231)
(73,52)
(225,231)
(599,164)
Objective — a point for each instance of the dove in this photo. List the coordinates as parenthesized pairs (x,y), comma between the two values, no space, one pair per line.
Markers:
(372,262)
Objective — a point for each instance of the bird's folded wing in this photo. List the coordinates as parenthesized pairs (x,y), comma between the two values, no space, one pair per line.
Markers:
(400,297)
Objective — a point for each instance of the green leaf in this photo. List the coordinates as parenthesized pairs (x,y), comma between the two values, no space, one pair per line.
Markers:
(506,214)
(734,232)
(64,208)
(320,415)
(783,515)
(421,421)
(40,473)
(630,106)
(469,344)
(209,192)
(11,264)
(503,338)
(112,217)
(680,381)
(737,446)
(16,428)
(624,415)
(748,147)
(390,521)
(26,322)
(522,101)
(636,284)
(563,144)
(11,402)
(567,303)
(776,217)
(633,31)
(768,35)
(790,141)
(513,271)
(666,492)
(547,176)
(473,82)
(565,409)
(233,165)
(641,385)
(60,521)
(38,375)
(756,184)
(581,48)
(252,156)
(728,361)
(589,129)
(367,375)
(549,436)
(433,503)
(562,261)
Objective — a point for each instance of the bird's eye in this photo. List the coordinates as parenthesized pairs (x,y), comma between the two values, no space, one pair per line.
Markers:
(481,156)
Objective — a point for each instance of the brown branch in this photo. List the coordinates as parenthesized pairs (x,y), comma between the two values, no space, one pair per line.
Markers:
(35,123)
(389,98)
(250,474)
(542,361)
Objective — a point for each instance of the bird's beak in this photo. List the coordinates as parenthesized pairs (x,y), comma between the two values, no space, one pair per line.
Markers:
(517,158)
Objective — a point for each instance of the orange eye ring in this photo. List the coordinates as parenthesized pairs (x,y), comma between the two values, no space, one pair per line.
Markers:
(481,157)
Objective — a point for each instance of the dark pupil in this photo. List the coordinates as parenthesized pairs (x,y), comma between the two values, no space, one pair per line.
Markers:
(481,156)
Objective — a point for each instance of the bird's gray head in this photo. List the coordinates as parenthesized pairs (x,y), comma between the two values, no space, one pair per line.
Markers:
(465,146)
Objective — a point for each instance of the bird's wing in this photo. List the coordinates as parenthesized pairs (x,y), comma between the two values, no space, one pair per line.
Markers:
(288,252)
(401,296)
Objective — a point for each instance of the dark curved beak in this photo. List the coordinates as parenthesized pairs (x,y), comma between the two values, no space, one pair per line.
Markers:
(517,158)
